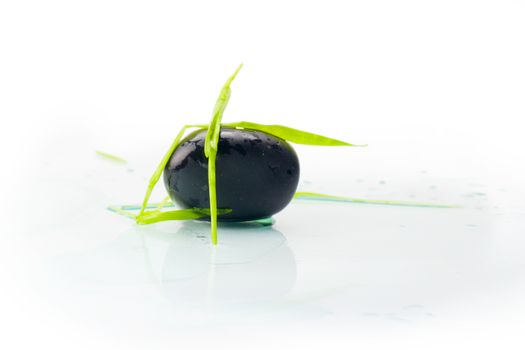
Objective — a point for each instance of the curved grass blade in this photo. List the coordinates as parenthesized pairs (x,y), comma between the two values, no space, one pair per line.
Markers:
(331,198)
(211,147)
(212,137)
(152,217)
(292,135)
(160,168)
(156,215)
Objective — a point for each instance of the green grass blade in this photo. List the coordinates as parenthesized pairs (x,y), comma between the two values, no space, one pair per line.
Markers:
(160,168)
(212,186)
(212,137)
(211,147)
(111,157)
(165,202)
(292,135)
(156,215)
(327,197)
(151,217)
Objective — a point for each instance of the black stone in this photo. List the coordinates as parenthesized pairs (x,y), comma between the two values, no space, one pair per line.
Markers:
(256,173)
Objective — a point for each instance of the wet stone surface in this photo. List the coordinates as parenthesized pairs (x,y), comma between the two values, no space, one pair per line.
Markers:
(257,174)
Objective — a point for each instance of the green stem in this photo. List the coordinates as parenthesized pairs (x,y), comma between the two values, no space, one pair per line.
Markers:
(160,168)
(213,196)
(211,146)
(111,157)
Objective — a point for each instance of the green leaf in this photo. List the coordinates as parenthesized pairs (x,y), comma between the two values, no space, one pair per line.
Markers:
(290,134)
(327,197)
(211,146)
(156,215)
(111,157)
(212,137)
(160,168)
(151,217)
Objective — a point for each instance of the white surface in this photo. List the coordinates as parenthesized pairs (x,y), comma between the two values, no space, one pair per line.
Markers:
(436,90)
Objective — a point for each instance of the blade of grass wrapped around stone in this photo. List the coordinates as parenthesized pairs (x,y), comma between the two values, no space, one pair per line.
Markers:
(211,146)
(291,134)
(160,168)
(327,197)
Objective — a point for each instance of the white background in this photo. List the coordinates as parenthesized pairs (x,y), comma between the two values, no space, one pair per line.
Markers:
(435,88)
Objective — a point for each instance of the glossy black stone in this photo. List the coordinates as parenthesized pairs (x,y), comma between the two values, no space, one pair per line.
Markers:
(257,174)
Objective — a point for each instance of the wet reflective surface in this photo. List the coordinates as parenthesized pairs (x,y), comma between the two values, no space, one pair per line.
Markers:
(323,268)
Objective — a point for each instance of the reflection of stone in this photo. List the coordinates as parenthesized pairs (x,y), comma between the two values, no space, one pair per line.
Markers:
(251,263)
